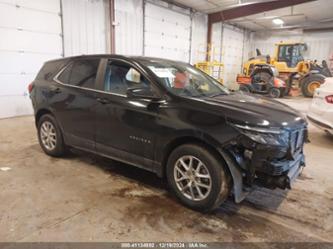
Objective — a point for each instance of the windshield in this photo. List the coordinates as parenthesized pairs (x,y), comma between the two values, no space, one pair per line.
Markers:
(185,80)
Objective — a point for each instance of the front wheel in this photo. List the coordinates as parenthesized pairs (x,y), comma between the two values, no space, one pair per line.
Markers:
(197,177)
(311,83)
(274,92)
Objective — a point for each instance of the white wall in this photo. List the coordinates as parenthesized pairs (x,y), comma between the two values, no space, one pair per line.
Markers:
(320,44)
(86,26)
(30,33)
(231,46)
(129,27)
(216,42)
(133,16)
(167,31)
(232,53)
(199,37)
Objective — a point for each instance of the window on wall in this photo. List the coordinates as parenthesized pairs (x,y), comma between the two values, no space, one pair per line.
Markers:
(81,73)
(120,78)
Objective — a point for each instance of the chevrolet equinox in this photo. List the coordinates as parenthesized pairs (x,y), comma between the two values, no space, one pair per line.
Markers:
(172,119)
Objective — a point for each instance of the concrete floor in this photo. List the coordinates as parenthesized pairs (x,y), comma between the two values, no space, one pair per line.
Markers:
(83,198)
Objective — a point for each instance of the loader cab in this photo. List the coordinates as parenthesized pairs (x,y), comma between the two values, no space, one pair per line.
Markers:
(291,53)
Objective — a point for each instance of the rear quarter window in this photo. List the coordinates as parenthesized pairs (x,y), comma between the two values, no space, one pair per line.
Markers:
(49,69)
(80,73)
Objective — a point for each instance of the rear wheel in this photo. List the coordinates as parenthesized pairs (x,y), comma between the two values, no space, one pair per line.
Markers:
(50,136)
(197,177)
(311,83)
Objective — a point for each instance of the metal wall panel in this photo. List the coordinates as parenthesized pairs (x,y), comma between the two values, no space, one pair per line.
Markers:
(30,42)
(30,32)
(248,45)
(216,42)
(85,26)
(129,27)
(199,37)
(230,45)
(233,47)
(320,44)
(129,22)
(167,32)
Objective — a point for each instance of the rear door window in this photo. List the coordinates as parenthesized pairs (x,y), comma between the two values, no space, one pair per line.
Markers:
(81,73)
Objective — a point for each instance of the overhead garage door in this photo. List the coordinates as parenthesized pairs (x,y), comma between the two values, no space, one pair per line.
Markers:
(85,27)
(173,40)
(30,32)
(232,54)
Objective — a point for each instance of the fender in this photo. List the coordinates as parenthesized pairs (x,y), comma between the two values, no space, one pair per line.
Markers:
(309,74)
(43,110)
(236,174)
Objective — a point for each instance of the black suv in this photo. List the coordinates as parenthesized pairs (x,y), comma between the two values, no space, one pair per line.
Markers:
(172,119)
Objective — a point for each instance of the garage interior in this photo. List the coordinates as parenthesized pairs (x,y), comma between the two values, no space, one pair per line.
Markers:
(85,198)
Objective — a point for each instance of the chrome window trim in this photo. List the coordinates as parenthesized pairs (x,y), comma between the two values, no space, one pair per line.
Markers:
(55,78)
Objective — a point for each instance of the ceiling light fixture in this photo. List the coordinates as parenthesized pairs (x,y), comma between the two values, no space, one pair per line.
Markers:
(278,21)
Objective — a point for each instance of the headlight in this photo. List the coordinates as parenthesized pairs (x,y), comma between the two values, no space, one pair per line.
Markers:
(270,136)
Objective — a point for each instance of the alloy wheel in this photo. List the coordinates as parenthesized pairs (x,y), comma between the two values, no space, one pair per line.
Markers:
(48,135)
(192,178)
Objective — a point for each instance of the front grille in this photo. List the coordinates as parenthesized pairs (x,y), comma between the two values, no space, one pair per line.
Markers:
(297,138)
(275,165)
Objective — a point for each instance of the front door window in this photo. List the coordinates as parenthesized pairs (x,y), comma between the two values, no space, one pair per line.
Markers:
(120,78)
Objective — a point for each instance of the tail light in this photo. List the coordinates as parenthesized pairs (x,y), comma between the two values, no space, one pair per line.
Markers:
(329,99)
(30,87)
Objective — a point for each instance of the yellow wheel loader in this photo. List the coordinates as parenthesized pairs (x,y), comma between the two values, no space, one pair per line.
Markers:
(293,69)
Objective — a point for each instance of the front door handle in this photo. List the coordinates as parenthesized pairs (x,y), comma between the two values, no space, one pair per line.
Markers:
(103,101)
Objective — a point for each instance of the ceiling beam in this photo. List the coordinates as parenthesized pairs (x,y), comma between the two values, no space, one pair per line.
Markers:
(251,9)
(246,10)
(319,29)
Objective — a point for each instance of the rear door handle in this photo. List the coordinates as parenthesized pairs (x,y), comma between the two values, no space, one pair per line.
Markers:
(103,101)
(55,90)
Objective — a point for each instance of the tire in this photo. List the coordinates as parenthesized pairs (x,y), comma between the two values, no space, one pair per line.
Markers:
(274,92)
(53,143)
(282,92)
(311,83)
(244,88)
(214,177)
(262,76)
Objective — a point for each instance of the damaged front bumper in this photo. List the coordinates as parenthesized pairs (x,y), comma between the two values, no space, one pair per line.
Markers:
(253,164)
(286,178)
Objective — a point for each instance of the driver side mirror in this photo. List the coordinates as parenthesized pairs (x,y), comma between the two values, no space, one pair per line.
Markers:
(142,93)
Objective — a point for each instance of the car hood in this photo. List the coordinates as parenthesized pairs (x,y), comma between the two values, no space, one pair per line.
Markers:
(256,110)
